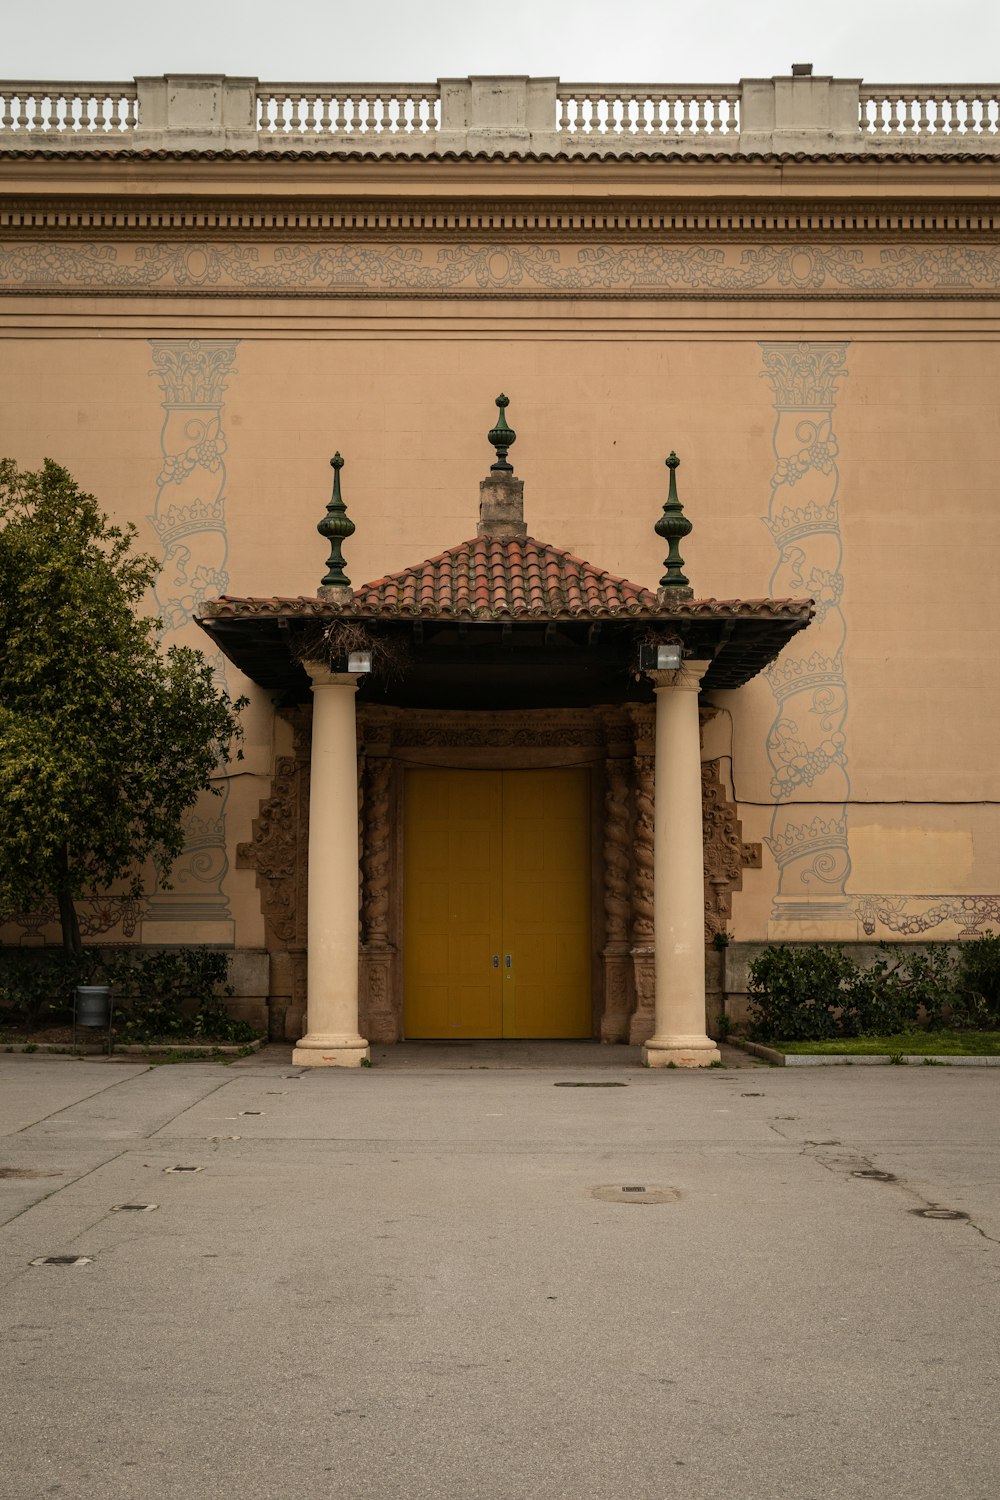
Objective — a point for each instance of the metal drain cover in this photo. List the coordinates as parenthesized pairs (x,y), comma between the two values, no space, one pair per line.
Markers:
(183,1169)
(603,1084)
(134,1208)
(938,1213)
(874,1175)
(616,1192)
(62,1260)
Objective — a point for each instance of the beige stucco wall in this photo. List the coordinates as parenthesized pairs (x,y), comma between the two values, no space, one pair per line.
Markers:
(601,388)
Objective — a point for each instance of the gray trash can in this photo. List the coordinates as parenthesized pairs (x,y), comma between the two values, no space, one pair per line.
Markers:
(93,1005)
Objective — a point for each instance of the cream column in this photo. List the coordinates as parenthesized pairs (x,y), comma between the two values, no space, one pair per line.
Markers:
(679,877)
(332,1040)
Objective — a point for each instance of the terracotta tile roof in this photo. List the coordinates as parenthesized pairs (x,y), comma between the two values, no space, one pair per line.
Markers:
(569,153)
(485,579)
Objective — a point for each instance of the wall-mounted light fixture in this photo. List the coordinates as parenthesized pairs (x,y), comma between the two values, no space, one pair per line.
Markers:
(360,662)
(661,658)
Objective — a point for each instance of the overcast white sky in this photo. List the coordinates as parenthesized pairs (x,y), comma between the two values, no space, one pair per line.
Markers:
(416,41)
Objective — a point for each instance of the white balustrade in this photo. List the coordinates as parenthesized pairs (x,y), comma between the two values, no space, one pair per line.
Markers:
(336,111)
(192,112)
(67,110)
(926,112)
(636,111)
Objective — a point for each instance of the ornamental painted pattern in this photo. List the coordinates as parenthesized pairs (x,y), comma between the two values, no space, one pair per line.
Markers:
(807,744)
(912,916)
(189,518)
(475,268)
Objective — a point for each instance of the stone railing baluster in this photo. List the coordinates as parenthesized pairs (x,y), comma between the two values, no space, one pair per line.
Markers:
(826,116)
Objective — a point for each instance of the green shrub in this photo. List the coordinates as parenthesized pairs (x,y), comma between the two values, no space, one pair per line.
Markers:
(176,994)
(817,994)
(797,993)
(977,980)
(157,995)
(34,984)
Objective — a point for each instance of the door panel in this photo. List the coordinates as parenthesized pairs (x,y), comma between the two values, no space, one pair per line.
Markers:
(546,903)
(497,863)
(452,873)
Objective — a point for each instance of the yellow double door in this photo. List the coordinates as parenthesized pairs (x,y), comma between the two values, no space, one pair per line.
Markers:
(497,904)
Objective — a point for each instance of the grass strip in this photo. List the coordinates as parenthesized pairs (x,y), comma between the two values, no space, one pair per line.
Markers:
(903,1043)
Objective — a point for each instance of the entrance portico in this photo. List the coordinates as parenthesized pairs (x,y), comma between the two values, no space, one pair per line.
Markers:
(503,654)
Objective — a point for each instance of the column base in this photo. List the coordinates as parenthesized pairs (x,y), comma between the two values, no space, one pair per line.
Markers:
(319,1051)
(680,1052)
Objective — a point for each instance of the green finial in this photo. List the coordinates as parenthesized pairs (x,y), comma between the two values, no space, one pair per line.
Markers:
(336,526)
(672,525)
(502,436)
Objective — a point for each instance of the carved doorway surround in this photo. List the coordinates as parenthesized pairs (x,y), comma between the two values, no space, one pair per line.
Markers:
(614,743)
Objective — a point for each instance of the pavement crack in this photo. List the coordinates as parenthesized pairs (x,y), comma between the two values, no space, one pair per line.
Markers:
(61,1188)
(151,1134)
(104,1089)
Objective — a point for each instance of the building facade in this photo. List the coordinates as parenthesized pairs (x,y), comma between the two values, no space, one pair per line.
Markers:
(209,284)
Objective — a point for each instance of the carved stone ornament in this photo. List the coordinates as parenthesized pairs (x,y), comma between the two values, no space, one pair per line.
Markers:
(726,855)
(642,851)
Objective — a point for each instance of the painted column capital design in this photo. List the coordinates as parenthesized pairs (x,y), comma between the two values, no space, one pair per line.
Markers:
(802,375)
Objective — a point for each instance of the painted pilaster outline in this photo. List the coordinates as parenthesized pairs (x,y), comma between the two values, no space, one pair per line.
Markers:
(189,518)
(807,741)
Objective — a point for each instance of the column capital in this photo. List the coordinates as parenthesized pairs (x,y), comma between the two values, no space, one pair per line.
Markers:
(687,677)
(323,676)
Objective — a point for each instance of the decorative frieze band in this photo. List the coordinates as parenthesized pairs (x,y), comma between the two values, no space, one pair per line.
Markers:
(313,220)
(500,267)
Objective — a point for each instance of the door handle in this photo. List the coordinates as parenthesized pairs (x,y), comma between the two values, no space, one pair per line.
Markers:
(496,960)
(506,960)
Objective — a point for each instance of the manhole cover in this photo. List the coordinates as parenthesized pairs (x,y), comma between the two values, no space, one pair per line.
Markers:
(874,1175)
(62,1260)
(603,1084)
(938,1213)
(617,1192)
(183,1169)
(134,1208)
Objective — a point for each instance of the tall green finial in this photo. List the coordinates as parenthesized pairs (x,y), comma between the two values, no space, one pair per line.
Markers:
(672,525)
(502,436)
(336,526)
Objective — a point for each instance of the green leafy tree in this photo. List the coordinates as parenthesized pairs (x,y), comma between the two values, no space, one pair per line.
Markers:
(105,742)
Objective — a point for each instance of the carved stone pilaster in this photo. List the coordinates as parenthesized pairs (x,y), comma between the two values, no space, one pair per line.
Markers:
(617,906)
(375,859)
(726,855)
(643,1022)
(278,852)
(379,1015)
(642,851)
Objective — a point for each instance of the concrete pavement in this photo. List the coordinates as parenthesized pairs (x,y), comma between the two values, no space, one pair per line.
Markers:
(397,1282)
